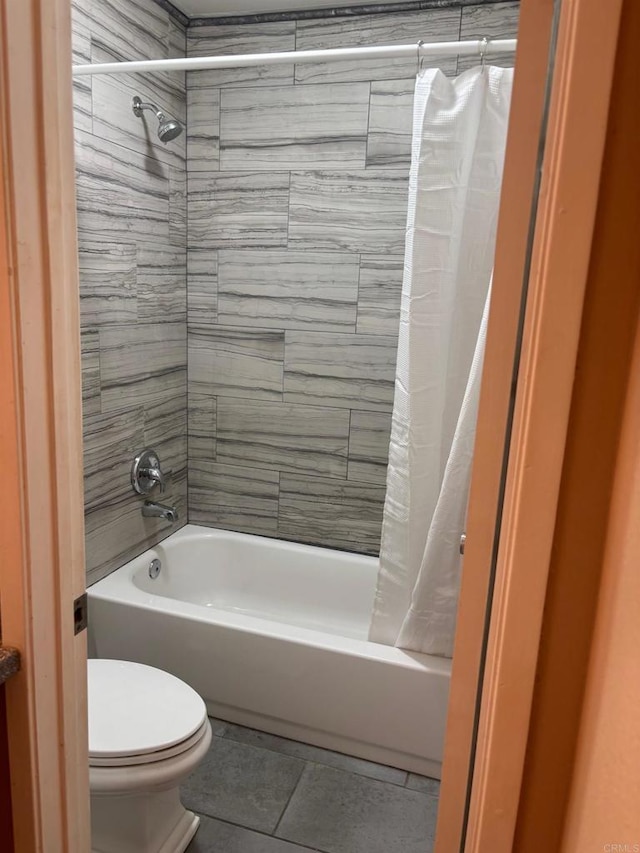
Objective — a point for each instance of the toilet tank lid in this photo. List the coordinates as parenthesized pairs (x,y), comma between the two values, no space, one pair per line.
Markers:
(136,709)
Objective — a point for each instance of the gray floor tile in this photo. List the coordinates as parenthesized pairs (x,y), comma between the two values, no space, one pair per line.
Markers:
(314,753)
(340,812)
(214,836)
(423,784)
(242,784)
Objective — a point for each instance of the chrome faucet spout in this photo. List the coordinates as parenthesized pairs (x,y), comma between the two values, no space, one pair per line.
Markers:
(154,510)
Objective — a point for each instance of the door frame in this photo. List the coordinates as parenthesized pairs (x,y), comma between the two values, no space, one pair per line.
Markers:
(42,530)
(561,251)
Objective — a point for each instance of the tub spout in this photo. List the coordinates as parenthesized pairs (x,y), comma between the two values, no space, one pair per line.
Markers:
(153,510)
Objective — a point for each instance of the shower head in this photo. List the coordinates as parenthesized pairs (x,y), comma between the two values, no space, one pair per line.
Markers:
(168,128)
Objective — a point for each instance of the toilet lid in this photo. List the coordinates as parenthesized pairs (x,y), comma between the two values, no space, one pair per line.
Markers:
(136,709)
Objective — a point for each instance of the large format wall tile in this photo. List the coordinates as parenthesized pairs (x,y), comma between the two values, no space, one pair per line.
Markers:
(234,497)
(364,211)
(496,21)
(203,125)
(330,512)
(113,116)
(121,195)
(202,286)
(369,446)
(297,229)
(288,290)
(141,364)
(162,295)
(228,209)
(390,124)
(370,30)
(131,193)
(379,294)
(354,371)
(236,362)
(246,38)
(294,127)
(283,437)
(108,282)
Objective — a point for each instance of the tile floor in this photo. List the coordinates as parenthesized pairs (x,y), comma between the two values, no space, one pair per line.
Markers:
(258,793)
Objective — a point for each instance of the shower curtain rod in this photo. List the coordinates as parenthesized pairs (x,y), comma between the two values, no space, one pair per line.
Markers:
(480,47)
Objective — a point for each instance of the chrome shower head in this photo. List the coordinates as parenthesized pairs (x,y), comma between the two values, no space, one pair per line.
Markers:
(168,128)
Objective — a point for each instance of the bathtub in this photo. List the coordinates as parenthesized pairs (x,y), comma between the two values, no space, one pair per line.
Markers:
(273,635)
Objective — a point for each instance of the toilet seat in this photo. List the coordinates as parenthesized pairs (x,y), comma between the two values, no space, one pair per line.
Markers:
(150,757)
(139,714)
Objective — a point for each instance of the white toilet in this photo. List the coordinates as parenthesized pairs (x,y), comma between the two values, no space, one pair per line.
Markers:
(147,732)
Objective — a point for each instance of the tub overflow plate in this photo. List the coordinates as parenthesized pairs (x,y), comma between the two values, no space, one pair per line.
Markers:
(154,569)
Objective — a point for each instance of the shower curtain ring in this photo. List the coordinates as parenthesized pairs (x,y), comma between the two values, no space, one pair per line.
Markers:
(484,46)
(419,56)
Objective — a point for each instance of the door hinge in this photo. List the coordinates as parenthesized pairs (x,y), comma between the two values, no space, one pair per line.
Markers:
(80,614)
(463,542)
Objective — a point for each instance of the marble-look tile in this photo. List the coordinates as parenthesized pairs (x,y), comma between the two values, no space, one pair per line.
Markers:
(162,286)
(307,752)
(331,512)
(82,86)
(203,124)
(288,290)
(165,430)
(369,446)
(108,292)
(236,362)
(242,784)
(116,532)
(245,210)
(283,437)
(215,836)
(494,20)
(115,121)
(178,207)
(379,295)
(202,426)
(233,497)
(398,28)
(246,38)
(390,124)
(354,371)
(363,211)
(132,29)
(110,443)
(177,45)
(122,196)
(294,127)
(141,364)
(202,286)
(343,813)
(90,349)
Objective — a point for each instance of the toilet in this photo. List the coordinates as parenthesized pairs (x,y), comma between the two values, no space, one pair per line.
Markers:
(147,732)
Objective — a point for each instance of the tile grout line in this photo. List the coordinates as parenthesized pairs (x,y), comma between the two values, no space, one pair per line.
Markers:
(291,795)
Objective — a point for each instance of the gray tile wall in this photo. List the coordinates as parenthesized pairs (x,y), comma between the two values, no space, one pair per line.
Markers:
(297,202)
(131,192)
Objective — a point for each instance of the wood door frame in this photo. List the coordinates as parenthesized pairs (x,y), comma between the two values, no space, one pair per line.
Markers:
(566,215)
(42,570)
(512,247)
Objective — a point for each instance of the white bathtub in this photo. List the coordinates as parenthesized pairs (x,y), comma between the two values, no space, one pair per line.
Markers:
(273,635)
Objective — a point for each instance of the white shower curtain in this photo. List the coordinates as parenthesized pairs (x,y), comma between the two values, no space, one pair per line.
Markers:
(459,134)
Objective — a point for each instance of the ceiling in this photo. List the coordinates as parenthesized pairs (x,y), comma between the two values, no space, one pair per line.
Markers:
(206,8)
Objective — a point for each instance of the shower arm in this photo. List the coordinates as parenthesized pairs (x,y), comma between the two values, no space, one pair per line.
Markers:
(139,106)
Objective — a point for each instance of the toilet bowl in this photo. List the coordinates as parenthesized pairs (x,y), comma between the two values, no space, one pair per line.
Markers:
(147,732)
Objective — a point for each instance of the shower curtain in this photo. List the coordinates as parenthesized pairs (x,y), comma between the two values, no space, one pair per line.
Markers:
(459,134)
